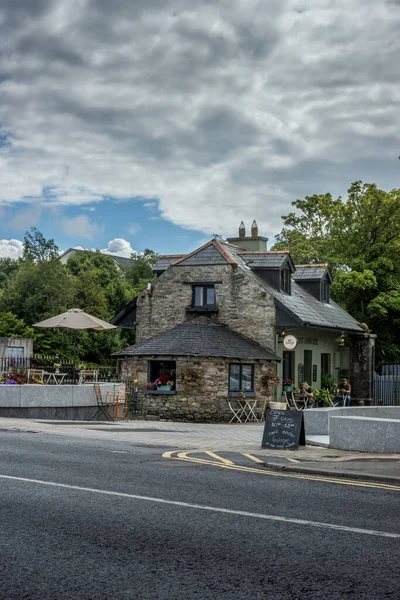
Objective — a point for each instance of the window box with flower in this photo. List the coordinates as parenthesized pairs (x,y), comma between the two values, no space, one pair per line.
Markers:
(163,384)
(288,385)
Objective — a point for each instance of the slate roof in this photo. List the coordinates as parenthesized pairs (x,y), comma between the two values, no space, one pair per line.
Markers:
(127,316)
(122,261)
(264,260)
(308,310)
(200,339)
(300,306)
(309,273)
(212,253)
(165,261)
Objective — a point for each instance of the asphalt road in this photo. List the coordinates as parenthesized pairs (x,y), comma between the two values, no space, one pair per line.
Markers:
(58,541)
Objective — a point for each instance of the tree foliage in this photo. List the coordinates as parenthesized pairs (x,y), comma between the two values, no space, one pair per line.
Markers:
(360,240)
(39,286)
(37,247)
(140,273)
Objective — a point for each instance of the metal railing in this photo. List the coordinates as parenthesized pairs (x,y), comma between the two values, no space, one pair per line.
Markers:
(14,365)
(387,390)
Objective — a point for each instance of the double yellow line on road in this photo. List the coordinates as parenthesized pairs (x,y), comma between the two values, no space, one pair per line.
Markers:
(224,463)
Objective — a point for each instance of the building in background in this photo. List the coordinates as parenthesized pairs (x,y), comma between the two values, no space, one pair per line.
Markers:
(236,292)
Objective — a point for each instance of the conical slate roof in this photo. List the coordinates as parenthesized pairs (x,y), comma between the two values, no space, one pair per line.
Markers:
(200,339)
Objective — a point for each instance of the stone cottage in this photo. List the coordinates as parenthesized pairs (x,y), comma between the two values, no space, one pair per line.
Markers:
(218,321)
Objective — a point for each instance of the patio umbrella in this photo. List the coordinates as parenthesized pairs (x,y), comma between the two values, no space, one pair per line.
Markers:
(75,318)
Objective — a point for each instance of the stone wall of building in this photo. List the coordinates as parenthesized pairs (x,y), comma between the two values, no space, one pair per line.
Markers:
(242,304)
(205,398)
(362,365)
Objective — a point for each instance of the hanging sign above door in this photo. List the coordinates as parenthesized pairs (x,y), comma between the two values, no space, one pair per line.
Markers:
(290,342)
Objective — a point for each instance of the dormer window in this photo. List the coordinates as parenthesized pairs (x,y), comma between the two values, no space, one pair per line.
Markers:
(203,296)
(325,290)
(285,285)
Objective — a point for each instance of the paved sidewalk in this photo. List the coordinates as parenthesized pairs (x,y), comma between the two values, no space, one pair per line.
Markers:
(221,437)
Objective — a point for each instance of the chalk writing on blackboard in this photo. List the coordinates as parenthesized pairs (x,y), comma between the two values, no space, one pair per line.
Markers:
(284,429)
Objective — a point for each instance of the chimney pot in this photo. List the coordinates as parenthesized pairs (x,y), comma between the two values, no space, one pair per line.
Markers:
(254,229)
(242,230)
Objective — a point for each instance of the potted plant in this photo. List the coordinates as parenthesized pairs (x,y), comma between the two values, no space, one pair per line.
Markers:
(268,381)
(57,367)
(327,382)
(288,385)
(321,397)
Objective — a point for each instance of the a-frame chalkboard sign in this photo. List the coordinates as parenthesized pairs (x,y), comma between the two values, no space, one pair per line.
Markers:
(284,430)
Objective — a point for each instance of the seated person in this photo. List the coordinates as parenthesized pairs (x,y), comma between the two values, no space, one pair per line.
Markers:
(344,389)
(306,390)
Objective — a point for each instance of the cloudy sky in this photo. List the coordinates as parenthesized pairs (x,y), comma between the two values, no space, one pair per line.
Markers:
(127,124)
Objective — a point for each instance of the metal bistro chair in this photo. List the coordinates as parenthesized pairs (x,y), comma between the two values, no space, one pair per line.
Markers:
(35,374)
(292,403)
(236,409)
(102,406)
(88,376)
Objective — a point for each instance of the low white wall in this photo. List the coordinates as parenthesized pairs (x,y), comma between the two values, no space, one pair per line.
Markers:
(317,420)
(54,396)
(365,434)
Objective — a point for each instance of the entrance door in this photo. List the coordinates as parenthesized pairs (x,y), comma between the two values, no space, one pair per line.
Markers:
(308,366)
(288,366)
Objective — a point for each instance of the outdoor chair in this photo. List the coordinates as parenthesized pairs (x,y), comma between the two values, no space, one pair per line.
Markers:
(35,374)
(102,405)
(88,375)
(293,403)
(337,400)
(117,398)
(236,409)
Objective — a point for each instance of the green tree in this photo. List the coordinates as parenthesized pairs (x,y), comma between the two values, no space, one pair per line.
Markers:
(360,240)
(101,286)
(13,327)
(38,290)
(8,266)
(140,273)
(37,247)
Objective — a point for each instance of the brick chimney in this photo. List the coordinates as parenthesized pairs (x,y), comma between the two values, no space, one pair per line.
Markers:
(254,230)
(255,243)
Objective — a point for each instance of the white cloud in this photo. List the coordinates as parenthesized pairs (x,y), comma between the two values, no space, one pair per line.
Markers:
(80,227)
(134,228)
(119,247)
(11,249)
(221,113)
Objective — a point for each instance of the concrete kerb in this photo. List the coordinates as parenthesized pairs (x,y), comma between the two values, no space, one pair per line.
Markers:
(343,474)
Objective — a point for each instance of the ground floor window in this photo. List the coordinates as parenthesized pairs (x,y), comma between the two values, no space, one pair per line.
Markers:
(325,364)
(241,378)
(162,369)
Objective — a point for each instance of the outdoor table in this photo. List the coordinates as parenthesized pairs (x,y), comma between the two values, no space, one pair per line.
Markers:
(58,378)
(246,411)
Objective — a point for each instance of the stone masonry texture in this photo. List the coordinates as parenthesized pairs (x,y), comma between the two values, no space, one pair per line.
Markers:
(242,304)
(203,400)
